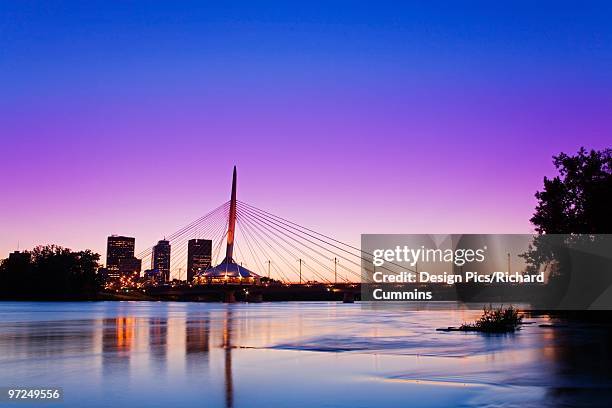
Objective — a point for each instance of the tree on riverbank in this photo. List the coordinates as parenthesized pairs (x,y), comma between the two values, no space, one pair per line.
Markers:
(576,203)
(50,272)
(579,199)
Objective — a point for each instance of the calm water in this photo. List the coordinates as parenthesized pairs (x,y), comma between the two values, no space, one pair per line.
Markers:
(140,354)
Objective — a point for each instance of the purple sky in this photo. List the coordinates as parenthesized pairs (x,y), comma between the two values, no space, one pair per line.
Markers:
(127,120)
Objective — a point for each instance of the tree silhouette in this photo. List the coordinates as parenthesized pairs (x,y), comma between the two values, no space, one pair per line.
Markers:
(579,199)
(576,205)
(50,272)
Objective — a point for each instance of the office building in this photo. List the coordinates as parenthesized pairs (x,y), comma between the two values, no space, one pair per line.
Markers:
(160,259)
(199,254)
(120,260)
(19,257)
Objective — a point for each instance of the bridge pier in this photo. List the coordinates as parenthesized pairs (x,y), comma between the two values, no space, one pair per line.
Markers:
(349,297)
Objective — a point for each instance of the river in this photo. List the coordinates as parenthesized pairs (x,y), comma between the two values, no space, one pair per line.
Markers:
(167,354)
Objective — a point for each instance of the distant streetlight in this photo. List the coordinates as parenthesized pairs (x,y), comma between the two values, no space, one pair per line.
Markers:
(336,261)
(269,262)
(301,261)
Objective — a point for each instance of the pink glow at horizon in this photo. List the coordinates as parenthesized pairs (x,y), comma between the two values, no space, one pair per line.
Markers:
(376,124)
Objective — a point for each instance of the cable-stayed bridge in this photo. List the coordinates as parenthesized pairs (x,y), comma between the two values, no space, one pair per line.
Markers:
(248,238)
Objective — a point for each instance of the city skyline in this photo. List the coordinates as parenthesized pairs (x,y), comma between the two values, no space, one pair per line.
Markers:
(397,117)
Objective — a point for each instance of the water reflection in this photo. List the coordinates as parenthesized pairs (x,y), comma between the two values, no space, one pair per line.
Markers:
(117,339)
(580,363)
(158,337)
(197,333)
(295,354)
(227,347)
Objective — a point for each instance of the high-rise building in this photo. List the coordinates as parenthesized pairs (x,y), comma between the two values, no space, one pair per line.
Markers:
(19,262)
(152,277)
(199,254)
(20,257)
(120,258)
(131,266)
(160,259)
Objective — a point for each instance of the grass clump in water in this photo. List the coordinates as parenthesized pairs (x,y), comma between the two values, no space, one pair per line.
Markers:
(495,320)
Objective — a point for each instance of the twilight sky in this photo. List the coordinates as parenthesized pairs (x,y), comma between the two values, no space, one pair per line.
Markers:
(348,117)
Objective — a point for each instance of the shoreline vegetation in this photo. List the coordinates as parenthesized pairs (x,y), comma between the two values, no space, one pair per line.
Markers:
(493,320)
